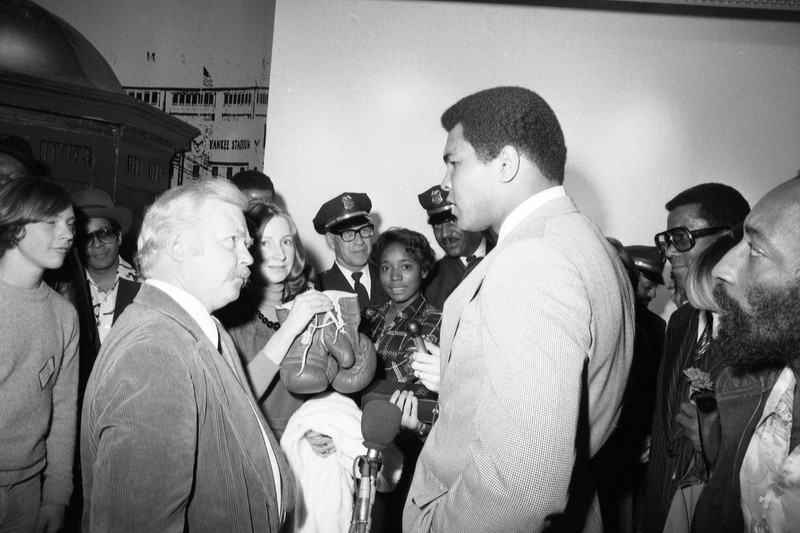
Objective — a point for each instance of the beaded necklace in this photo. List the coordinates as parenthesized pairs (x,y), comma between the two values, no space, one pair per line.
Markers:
(269,323)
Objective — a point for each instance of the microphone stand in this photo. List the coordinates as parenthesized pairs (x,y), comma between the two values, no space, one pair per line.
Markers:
(365,471)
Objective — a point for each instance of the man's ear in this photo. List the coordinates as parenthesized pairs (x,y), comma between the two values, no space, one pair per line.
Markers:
(176,247)
(329,240)
(509,159)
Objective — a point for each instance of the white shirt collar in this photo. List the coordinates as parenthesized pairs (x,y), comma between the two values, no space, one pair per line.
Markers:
(479,252)
(366,279)
(124,271)
(191,305)
(527,207)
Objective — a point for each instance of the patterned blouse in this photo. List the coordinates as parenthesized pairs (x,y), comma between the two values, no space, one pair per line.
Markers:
(770,473)
(392,343)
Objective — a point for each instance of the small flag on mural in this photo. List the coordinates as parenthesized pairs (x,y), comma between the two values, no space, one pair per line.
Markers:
(207,82)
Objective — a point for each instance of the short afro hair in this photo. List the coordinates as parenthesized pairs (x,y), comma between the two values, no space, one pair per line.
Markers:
(515,116)
(414,243)
(717,204)
(253,179)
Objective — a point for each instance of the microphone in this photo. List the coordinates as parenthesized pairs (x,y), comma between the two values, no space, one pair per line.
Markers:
(414,330)
(380,422)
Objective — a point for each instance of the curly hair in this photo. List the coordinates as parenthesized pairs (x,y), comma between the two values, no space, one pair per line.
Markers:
(515,116)
(699,280)
(415,244)
(717,204)
(258,216)
(24,201)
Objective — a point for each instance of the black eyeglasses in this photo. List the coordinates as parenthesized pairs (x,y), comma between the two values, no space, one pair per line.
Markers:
(682,238)
(349,235)
(106,235)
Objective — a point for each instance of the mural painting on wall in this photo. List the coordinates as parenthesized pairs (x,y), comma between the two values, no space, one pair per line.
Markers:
(232,122)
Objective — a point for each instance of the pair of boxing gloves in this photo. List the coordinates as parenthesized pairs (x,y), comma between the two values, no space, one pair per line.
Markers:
(331,352)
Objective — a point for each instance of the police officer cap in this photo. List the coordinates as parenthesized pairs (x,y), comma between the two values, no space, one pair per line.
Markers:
(648,261)
(434,201)
(347,210)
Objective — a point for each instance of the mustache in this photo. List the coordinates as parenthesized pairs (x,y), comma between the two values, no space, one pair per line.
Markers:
(725,303)
(766,335)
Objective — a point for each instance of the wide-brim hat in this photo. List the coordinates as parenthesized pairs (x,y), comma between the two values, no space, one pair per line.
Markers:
(96,203)
(20,149)
(649,261)
(347,210)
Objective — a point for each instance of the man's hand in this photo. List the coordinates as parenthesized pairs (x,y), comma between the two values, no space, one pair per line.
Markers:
(51,518)
(408,405)
(687,418)
(426,367)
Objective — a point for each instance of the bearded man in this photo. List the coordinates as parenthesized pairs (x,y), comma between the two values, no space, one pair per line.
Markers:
(756,480)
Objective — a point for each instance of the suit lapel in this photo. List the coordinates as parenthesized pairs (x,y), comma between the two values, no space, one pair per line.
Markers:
(338,278)
(469,288)
(377,294)
(287,488)
(230,386)
(454,307)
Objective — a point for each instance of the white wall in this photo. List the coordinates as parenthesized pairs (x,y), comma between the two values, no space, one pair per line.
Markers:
(649,104)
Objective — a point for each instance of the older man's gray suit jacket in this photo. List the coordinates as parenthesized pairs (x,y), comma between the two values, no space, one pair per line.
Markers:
(169,437)
(536,347)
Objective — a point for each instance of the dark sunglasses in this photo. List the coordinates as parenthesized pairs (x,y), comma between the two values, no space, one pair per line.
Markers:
(349,235)
(106,235)
(684,239)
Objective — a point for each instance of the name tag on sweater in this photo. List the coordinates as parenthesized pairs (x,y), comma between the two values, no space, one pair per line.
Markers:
(47,372)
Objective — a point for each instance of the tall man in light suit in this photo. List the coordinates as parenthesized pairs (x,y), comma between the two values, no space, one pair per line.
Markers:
(172,438)
(536,342)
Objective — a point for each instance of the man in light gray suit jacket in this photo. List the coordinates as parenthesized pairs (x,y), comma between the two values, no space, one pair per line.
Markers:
(172,438)
(536,342)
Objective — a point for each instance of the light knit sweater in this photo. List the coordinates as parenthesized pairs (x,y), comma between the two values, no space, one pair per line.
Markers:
(38,388)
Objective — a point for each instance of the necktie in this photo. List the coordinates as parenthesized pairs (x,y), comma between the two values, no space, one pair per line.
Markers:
(472,262)
(361,290)
(672,403)
(705,339)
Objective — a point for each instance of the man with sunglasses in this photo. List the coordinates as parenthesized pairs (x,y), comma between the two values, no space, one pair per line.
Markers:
(696,218)
(348,230)
(112,281)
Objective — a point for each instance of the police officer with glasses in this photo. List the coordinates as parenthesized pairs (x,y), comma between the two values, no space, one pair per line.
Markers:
(344,221)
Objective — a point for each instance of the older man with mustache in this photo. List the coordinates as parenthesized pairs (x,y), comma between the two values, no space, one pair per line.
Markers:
(171,435)
(463,249)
